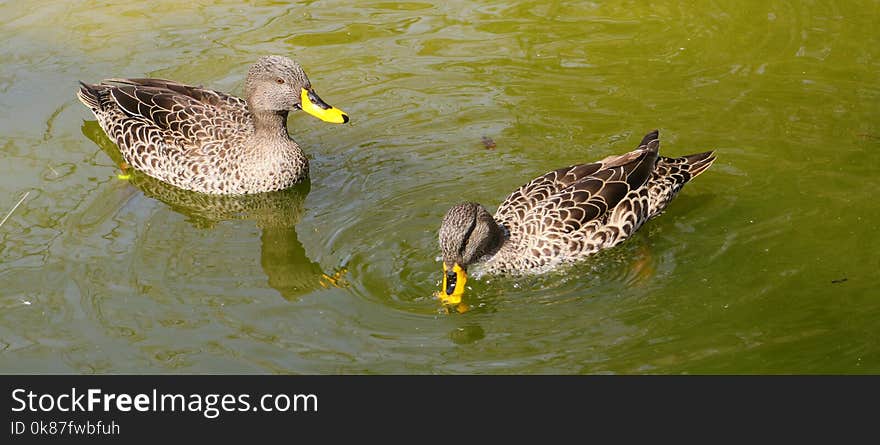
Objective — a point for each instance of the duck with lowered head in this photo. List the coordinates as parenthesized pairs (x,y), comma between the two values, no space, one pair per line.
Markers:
(564,215)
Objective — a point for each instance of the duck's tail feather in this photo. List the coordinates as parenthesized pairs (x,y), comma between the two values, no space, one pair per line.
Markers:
(699,162)
(651,136)
(671,174)
(89,96)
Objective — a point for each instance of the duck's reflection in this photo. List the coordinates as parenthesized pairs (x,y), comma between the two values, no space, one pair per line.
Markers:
(467,334)
(282,256)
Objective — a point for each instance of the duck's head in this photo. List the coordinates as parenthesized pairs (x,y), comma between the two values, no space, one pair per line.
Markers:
(277,83)
(468,233)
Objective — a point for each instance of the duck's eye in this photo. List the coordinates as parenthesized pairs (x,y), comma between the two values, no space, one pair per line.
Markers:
(279,80)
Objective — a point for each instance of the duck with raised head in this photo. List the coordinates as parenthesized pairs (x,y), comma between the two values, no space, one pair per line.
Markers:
(209,141)
(564,215)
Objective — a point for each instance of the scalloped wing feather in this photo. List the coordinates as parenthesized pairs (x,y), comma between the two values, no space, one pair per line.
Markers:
(193,118)
(593,197)
(518,204)
(576,210)
(522,201)
(204,95)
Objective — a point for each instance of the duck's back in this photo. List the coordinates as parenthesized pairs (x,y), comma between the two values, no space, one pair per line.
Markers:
(187,136)
(575,211)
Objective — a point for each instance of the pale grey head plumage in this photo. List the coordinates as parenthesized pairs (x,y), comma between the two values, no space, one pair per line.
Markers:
(468,232)
(274,83)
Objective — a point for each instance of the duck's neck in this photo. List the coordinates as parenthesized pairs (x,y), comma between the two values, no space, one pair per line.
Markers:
(504,245)
(272,124)
(498,236)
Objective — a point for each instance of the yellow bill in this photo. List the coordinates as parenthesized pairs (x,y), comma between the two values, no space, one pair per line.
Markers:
(453,284)
(312,104)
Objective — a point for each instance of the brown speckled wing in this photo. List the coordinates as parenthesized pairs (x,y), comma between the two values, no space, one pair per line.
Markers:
(187,115)
(522,201)
(203,95)
(573,211)
(592,197)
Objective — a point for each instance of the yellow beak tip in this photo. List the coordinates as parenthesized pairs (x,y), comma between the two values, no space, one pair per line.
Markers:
(449,299)
(458,287)
(324,112)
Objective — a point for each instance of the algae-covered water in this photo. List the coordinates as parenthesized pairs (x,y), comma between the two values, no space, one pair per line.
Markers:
(767,263)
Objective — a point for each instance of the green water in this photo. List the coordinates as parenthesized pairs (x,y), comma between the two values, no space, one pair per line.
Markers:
(767,263)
